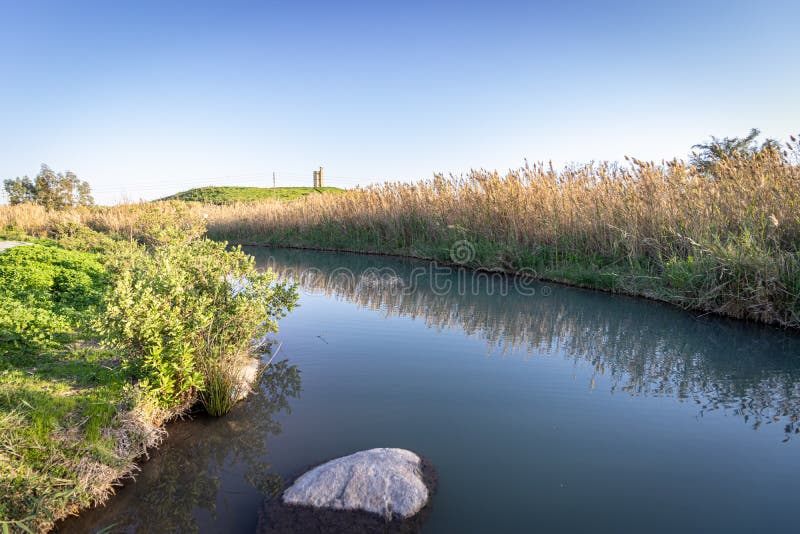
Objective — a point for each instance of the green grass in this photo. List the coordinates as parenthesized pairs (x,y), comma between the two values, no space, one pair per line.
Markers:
(230,195)
(60,396)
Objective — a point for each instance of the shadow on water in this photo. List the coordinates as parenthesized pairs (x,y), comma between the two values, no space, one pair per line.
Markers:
(643,348)
(181,486)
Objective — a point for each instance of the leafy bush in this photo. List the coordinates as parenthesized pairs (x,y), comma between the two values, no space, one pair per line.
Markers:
(181,305)
(74,236)
(170,374)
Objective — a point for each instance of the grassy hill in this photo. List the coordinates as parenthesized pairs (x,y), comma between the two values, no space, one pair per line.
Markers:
(229,195)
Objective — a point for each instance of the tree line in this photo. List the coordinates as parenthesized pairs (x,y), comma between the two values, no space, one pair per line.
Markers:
(50,189)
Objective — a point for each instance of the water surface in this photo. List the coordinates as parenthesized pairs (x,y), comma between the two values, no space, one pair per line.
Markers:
(544,408)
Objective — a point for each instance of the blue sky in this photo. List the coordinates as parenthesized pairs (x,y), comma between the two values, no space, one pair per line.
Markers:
(143,99)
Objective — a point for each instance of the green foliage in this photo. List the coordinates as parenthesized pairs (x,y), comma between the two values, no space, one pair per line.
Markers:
(25,328)
(183,302)
(73,236)
(170,374)
(58,403)
(50,189)
(713,153)
(45,293)
(229,195)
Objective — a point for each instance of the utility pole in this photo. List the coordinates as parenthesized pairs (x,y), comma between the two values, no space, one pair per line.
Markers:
(273,179)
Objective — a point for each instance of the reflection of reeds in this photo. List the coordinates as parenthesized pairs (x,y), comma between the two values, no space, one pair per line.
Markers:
(641,348)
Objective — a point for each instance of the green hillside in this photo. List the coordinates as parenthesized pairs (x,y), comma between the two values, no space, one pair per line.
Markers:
(228,195)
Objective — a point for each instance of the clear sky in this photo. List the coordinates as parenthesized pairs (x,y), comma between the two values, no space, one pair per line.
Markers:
(145,99)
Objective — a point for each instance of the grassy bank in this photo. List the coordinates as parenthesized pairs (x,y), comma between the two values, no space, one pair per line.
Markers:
(64,409)
(231,195)
(102,341)
(727,243)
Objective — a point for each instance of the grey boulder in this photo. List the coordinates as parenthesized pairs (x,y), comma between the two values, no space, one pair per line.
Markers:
(387,482)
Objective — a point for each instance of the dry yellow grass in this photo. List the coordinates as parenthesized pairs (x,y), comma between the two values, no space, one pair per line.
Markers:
(726,244)
(644,211)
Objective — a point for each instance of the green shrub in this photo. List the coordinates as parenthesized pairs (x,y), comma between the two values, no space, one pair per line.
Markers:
(181,305)
(75,236)
(157,224)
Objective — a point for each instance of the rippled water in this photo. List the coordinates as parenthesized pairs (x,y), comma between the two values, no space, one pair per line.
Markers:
(544,408)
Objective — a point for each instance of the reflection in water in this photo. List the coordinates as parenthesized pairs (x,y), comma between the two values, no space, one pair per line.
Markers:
(182,480)
(642,348)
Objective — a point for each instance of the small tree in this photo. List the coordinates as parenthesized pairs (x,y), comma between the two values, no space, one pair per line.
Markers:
(50,189)
(718,150)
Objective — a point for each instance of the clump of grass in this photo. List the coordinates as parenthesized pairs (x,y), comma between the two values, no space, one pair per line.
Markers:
(223,387)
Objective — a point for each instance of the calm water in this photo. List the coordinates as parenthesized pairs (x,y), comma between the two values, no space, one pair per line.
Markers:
(544,408)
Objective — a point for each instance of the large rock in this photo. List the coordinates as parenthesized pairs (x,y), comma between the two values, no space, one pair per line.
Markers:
(378,490)
(387,482)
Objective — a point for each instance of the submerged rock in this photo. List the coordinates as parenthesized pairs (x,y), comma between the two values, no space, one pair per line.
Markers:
(248,374)
(377,490)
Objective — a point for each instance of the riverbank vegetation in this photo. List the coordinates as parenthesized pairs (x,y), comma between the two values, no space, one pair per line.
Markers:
(106,336)
(721,238)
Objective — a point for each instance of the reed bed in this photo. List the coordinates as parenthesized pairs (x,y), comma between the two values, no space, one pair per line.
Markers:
(727,243)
